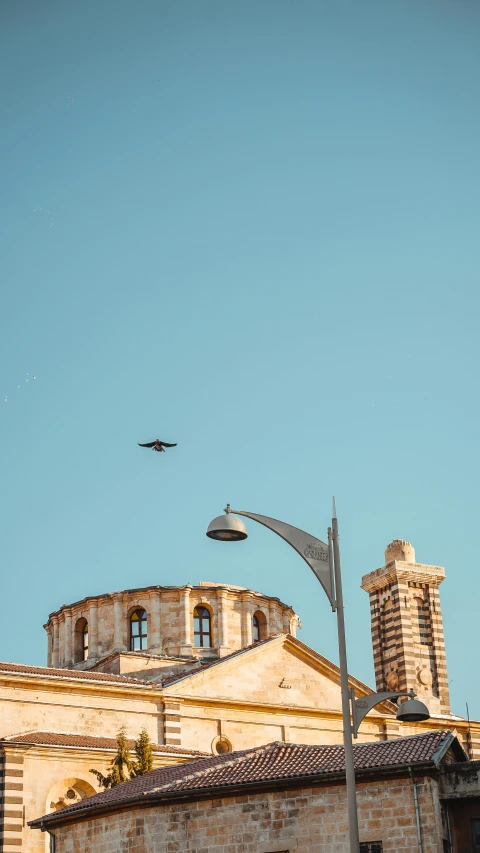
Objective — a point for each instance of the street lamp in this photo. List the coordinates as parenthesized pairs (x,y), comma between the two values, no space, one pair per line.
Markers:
(227,528)
(324,560)
(410,711)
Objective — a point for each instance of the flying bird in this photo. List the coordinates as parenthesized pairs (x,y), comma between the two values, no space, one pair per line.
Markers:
(157,445)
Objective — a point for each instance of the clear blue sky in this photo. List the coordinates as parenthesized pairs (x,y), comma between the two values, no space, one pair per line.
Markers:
(251,228)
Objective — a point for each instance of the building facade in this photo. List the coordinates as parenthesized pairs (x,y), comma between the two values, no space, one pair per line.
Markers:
(205,669)
(279,798)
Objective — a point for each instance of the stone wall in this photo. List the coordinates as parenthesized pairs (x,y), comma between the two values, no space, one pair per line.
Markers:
(458,783)
(63,707)
(306,819)
(244,728)
(39,780)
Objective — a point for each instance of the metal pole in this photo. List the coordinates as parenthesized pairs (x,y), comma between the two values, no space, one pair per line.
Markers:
(347,728)
(417,811)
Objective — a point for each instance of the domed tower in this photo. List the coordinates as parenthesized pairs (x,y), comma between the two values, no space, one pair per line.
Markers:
(124,631)
(407,628)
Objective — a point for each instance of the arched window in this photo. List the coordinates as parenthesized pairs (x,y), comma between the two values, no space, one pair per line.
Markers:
(202,627)
(80,640)
(85,641)
(138,630)
(259,627)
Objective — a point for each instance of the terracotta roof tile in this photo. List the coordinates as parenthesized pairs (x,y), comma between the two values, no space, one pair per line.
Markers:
(272,763)
(78,674)
(67,739)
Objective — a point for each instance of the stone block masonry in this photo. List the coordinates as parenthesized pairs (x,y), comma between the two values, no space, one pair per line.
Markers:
(407,629)
(312,819)
(170,619)
(12,810)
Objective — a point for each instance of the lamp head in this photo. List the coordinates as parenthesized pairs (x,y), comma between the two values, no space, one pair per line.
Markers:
(412,711)
(227,528)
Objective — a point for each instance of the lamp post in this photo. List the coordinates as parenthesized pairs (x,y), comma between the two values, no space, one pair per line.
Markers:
(411,711)
(324,561)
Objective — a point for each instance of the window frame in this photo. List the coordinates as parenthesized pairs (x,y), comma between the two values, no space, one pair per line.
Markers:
(85,642)
(142,636)
(261,626)
(371,847)
(204,616)
(80,642)
(287,845)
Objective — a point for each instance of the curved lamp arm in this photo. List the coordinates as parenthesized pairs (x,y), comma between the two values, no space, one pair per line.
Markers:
(317,554)
(361,707)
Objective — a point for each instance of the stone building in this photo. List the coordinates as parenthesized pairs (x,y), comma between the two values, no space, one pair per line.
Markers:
(162,621)
(407,628)
(277,798)
(205,669)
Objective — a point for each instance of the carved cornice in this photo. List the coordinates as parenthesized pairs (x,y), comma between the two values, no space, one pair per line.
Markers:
(401,571)
(166,593)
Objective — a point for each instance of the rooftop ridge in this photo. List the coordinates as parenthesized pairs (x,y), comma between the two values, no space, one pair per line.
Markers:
(75,740)
(264,765)
(168,681)
(233,759)
(76,674)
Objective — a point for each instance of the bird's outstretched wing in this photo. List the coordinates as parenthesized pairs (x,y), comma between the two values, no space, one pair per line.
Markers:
(149,444)
(164,443)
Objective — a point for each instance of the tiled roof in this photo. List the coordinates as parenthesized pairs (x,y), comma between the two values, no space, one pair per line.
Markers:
(77,674)
(88,742)
(276,762)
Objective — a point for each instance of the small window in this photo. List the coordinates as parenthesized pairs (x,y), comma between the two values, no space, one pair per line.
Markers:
(202,628)
(259,627)
(85,641)
(80,640)
(138,631)
(371,847)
